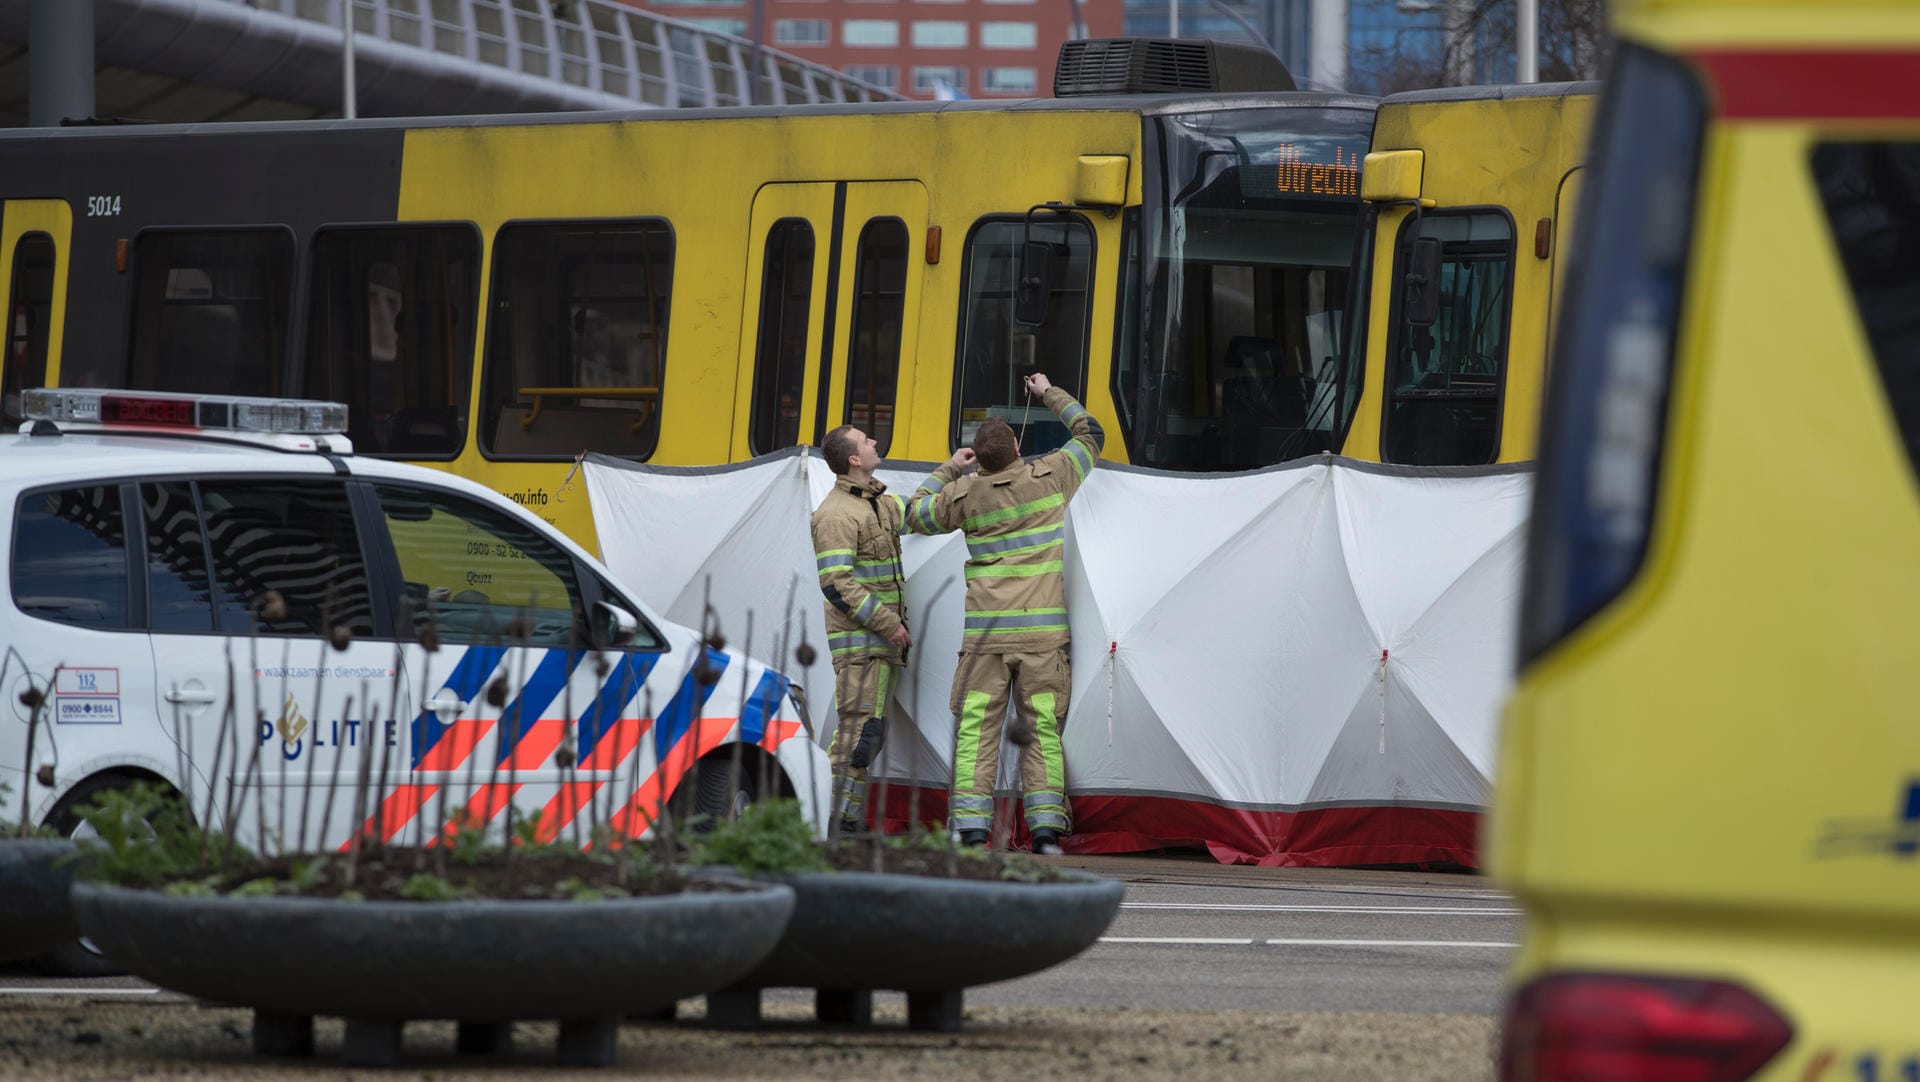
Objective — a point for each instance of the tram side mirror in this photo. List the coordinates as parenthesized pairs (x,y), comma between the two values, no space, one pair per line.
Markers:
(1420,294)
(613,625)
(1034,284)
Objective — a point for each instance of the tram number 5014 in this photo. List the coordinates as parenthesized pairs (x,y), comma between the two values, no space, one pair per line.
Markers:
(103,206)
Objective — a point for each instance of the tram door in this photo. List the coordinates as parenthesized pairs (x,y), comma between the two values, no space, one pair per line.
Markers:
(834,273)
(34,239)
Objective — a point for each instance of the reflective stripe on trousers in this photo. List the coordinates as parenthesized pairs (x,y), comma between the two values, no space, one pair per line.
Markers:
(982,688)
(850,798)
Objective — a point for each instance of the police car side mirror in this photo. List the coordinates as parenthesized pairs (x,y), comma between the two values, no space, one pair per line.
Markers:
(613,625)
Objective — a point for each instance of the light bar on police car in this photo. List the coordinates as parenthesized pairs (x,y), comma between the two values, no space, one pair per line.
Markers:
(208,412)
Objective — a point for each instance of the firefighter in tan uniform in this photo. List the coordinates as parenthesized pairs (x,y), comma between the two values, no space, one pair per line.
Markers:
(856,543)
(1014,516)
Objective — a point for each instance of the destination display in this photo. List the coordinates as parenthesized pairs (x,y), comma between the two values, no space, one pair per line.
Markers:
(1314,167)
(1263,155)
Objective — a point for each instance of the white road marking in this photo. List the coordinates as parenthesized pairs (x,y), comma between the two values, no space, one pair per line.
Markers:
(78,991)
(1387,943)
(1395,910)
(1172,939)
(1212,941)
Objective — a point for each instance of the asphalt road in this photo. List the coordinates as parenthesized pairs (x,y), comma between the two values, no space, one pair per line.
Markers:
(1201,936)
(1196,935)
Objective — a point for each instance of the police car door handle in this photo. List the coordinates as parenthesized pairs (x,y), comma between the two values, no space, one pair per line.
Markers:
(446,705)
(188,696)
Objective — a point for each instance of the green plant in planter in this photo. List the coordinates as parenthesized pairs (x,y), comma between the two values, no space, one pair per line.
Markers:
(771,837)
(146,838)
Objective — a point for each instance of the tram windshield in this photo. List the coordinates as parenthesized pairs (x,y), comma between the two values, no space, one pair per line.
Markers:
(1251,289)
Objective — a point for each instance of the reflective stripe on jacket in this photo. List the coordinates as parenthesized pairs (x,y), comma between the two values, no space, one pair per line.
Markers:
(856,546)
(1015,523)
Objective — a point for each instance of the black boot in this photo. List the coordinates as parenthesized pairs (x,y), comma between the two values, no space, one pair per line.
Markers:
(873,735)
(1046,843)
(973,838)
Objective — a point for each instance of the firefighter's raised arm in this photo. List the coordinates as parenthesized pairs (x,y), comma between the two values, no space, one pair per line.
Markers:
(929,511)
(1089,439)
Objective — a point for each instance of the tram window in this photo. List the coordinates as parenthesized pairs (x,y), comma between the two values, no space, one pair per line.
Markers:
(577,339)
(780,358)
(1444,381)
(879,306)
(390,332)
(1244,353)
(1252,370)
(70,557)
(29,316)
(211,310)
(997,354)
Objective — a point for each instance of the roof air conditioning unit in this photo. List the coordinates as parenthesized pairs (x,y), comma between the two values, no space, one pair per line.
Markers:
(1165,66)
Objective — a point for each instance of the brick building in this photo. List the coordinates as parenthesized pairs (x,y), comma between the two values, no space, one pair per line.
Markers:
(979,48)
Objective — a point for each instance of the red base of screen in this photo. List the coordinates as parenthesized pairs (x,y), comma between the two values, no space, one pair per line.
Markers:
(1314,838)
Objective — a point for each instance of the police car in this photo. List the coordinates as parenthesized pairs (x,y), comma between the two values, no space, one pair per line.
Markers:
(214,593)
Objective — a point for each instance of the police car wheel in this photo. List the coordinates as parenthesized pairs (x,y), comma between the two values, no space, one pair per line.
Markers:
(79,958)
(720,793)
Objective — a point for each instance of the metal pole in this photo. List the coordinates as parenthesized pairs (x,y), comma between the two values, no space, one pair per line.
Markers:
(754,89)
(1327,30)
(1173,18)
(1526,28)
(348,108)
(59,62)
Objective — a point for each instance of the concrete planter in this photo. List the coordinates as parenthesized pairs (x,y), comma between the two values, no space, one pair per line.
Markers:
(484,964)
(932,938)
(34,879)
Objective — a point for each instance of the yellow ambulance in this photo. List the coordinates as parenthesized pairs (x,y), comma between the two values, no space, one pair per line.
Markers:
(1708,793)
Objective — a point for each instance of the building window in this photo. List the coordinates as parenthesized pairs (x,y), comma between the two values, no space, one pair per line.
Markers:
(390,324)
(929,79)
(1007,80)
(877,33)
(736,27)
(1007,36)
(940,35)
(800,32)
(885,76)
